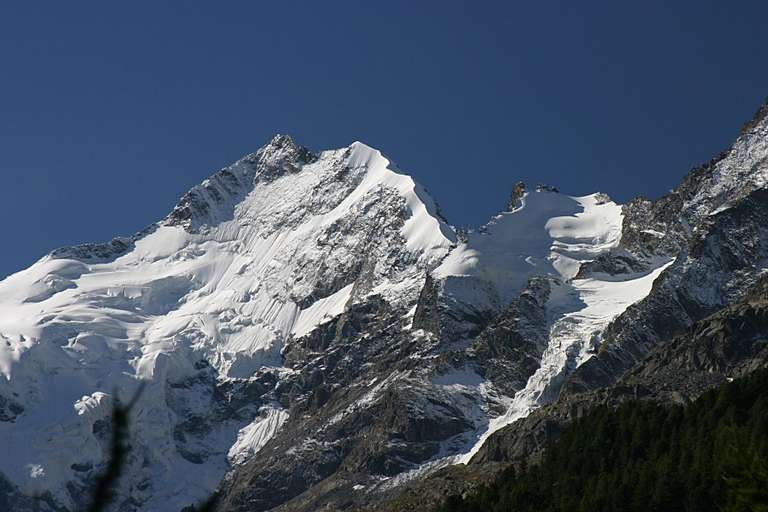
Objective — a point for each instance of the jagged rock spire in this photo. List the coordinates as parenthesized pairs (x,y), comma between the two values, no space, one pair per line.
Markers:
(516,197)
(281,155)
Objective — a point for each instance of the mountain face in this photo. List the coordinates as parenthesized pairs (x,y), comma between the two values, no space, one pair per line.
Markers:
(206,307)
(703,322)
(305,331)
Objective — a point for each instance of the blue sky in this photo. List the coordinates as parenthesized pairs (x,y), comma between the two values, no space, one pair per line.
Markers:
(111,111)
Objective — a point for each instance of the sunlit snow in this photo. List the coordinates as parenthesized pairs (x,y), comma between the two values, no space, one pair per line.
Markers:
(75,333)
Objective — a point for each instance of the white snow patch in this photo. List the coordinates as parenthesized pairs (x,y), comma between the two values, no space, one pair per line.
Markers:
(255,435)
(321,311)
(549,233)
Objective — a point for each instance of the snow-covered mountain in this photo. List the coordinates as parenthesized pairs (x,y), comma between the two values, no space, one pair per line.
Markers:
(260,253)
(695,264)
(307,330)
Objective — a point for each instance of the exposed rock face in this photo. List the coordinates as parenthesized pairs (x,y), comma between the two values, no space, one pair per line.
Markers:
(516,197)
(726,345)
(367,408)
(427,314)
(508,350)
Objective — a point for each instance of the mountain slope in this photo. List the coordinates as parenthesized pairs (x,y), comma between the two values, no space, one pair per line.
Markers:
(433,389)
(200,306)
(308,332)
(714,223)
(702,323)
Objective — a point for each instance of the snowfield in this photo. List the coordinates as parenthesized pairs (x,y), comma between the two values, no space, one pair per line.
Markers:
(549,234)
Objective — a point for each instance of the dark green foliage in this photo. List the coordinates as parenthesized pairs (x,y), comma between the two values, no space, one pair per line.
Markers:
(711,455)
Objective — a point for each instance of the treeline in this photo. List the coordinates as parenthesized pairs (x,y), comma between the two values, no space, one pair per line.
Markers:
(710,455)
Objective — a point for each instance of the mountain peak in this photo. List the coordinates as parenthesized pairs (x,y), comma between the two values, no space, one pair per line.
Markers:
(281,139)
(278,156)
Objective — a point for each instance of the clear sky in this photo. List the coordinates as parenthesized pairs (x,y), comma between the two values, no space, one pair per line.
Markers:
(109,111)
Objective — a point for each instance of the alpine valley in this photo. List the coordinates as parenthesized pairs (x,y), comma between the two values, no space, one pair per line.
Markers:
(305,331)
